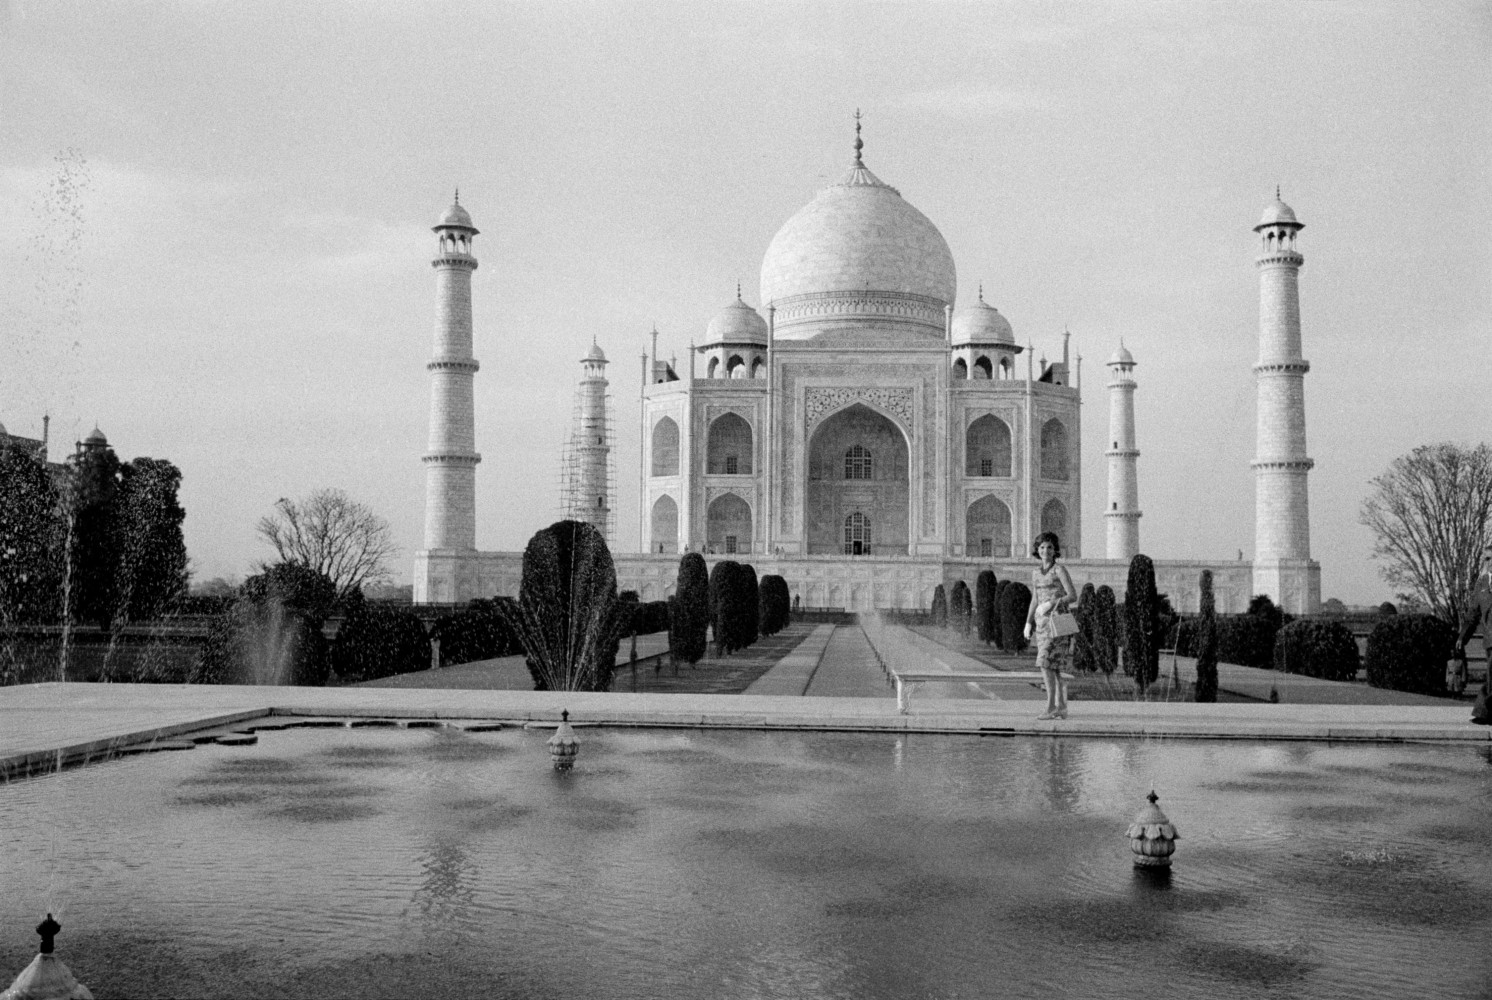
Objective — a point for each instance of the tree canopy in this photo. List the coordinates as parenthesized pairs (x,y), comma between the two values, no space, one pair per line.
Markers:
(333,534)
(1430,513)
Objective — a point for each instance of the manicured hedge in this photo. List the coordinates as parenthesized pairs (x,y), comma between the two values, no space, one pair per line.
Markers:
(480,631)
(642,617)
(1247,640)
(375,641)
(1317,648)
(1408,653)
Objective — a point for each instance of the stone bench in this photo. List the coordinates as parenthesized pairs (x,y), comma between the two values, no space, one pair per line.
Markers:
(906,680)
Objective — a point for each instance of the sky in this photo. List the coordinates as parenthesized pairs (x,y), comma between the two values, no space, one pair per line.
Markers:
(215,228)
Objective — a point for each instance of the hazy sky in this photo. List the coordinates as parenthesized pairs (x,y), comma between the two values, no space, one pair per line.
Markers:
(215,227)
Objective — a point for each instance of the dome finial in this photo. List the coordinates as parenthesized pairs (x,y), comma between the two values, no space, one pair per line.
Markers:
(458,196)
(1276,198)
(859,145)
(738,290)
(981,291)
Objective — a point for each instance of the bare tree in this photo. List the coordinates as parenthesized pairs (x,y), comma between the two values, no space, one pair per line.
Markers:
(332,534)
(1430,514)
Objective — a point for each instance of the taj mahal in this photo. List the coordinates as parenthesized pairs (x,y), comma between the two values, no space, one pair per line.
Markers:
(863,436)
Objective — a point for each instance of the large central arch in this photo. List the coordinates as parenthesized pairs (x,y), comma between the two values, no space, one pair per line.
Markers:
(858,463)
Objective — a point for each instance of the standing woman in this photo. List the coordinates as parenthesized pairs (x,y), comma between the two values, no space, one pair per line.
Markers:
(1051,592)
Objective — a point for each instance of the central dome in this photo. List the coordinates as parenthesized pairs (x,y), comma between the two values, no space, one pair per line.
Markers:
(857,236)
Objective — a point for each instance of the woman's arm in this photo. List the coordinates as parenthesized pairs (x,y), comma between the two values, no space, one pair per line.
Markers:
(1072,594)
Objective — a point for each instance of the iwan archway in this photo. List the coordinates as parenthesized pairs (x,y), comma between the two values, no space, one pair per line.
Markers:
(857,500)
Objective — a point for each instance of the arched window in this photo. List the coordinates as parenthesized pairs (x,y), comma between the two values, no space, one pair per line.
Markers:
(1054,519)
(857,463)
(987,447)
(735,367)
(713,370)
(857,535)
(729,439)
(1053,450)
(1006,368)
(666,448)
(758,368)
(960,368)
(728,524)
(982,368)
(987,529)
(665,537)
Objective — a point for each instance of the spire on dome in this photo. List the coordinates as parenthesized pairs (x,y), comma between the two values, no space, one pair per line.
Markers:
(981,291)
(458,196)
(859,145)
(738,290)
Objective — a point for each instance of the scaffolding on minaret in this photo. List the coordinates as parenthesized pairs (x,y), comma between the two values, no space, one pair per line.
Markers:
(587,466)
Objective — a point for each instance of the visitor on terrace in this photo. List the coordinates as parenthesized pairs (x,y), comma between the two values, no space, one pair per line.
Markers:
(1052,597)
(1480,614)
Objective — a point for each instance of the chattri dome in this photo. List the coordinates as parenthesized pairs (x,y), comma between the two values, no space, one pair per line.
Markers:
(455,217)
(858,235)
(1122,356)
(1277,213)
(981,323)
(737,323)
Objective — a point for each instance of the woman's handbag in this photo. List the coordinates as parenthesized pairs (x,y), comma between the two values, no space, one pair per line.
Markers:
(1064,623)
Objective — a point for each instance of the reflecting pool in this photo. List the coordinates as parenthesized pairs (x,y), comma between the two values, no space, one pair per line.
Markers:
(382,862)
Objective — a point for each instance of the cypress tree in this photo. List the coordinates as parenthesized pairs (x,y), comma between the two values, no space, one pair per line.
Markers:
(960,607)
(984,605)
(1015,602)
(1085,643)
(1002,640)
(939,607)
(723,606)
(748,606)
(1105,629)
(1207,641)
(689,611)
(1141,623)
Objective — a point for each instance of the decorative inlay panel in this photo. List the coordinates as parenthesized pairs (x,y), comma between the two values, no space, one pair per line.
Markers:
(821,400)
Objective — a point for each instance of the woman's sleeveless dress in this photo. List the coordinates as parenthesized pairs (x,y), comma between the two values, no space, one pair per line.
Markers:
(1052,652)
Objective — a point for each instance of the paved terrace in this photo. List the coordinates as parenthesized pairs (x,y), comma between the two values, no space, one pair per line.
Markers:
(42,725)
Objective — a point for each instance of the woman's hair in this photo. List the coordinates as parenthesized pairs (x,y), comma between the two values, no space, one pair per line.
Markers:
(1046,536)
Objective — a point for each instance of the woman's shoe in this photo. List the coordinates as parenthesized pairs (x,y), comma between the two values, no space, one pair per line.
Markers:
(1049,714)
(1060,713)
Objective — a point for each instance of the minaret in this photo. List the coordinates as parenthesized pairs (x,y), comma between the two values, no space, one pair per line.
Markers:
(451,458)
(1282,534)
(589,479)
(1123,513)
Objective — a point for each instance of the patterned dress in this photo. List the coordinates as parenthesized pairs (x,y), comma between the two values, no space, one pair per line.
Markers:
(1052,652)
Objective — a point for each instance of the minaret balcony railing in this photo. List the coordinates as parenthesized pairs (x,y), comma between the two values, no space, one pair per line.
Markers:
(1284,464)
(468,365)
(452,458)
(1280,257)
(1282,367)
(456,261)
(1123,453)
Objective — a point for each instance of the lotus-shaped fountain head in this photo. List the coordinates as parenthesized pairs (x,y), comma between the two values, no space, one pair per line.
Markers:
(46,978)
(1152,836)
(563,746)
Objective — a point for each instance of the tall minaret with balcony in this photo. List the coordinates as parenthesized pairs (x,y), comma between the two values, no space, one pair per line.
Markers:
(451,457)
(1123,514)
(1282,532)
(588,458)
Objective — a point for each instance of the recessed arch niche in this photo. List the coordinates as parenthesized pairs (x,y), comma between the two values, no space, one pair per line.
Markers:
(831,497)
